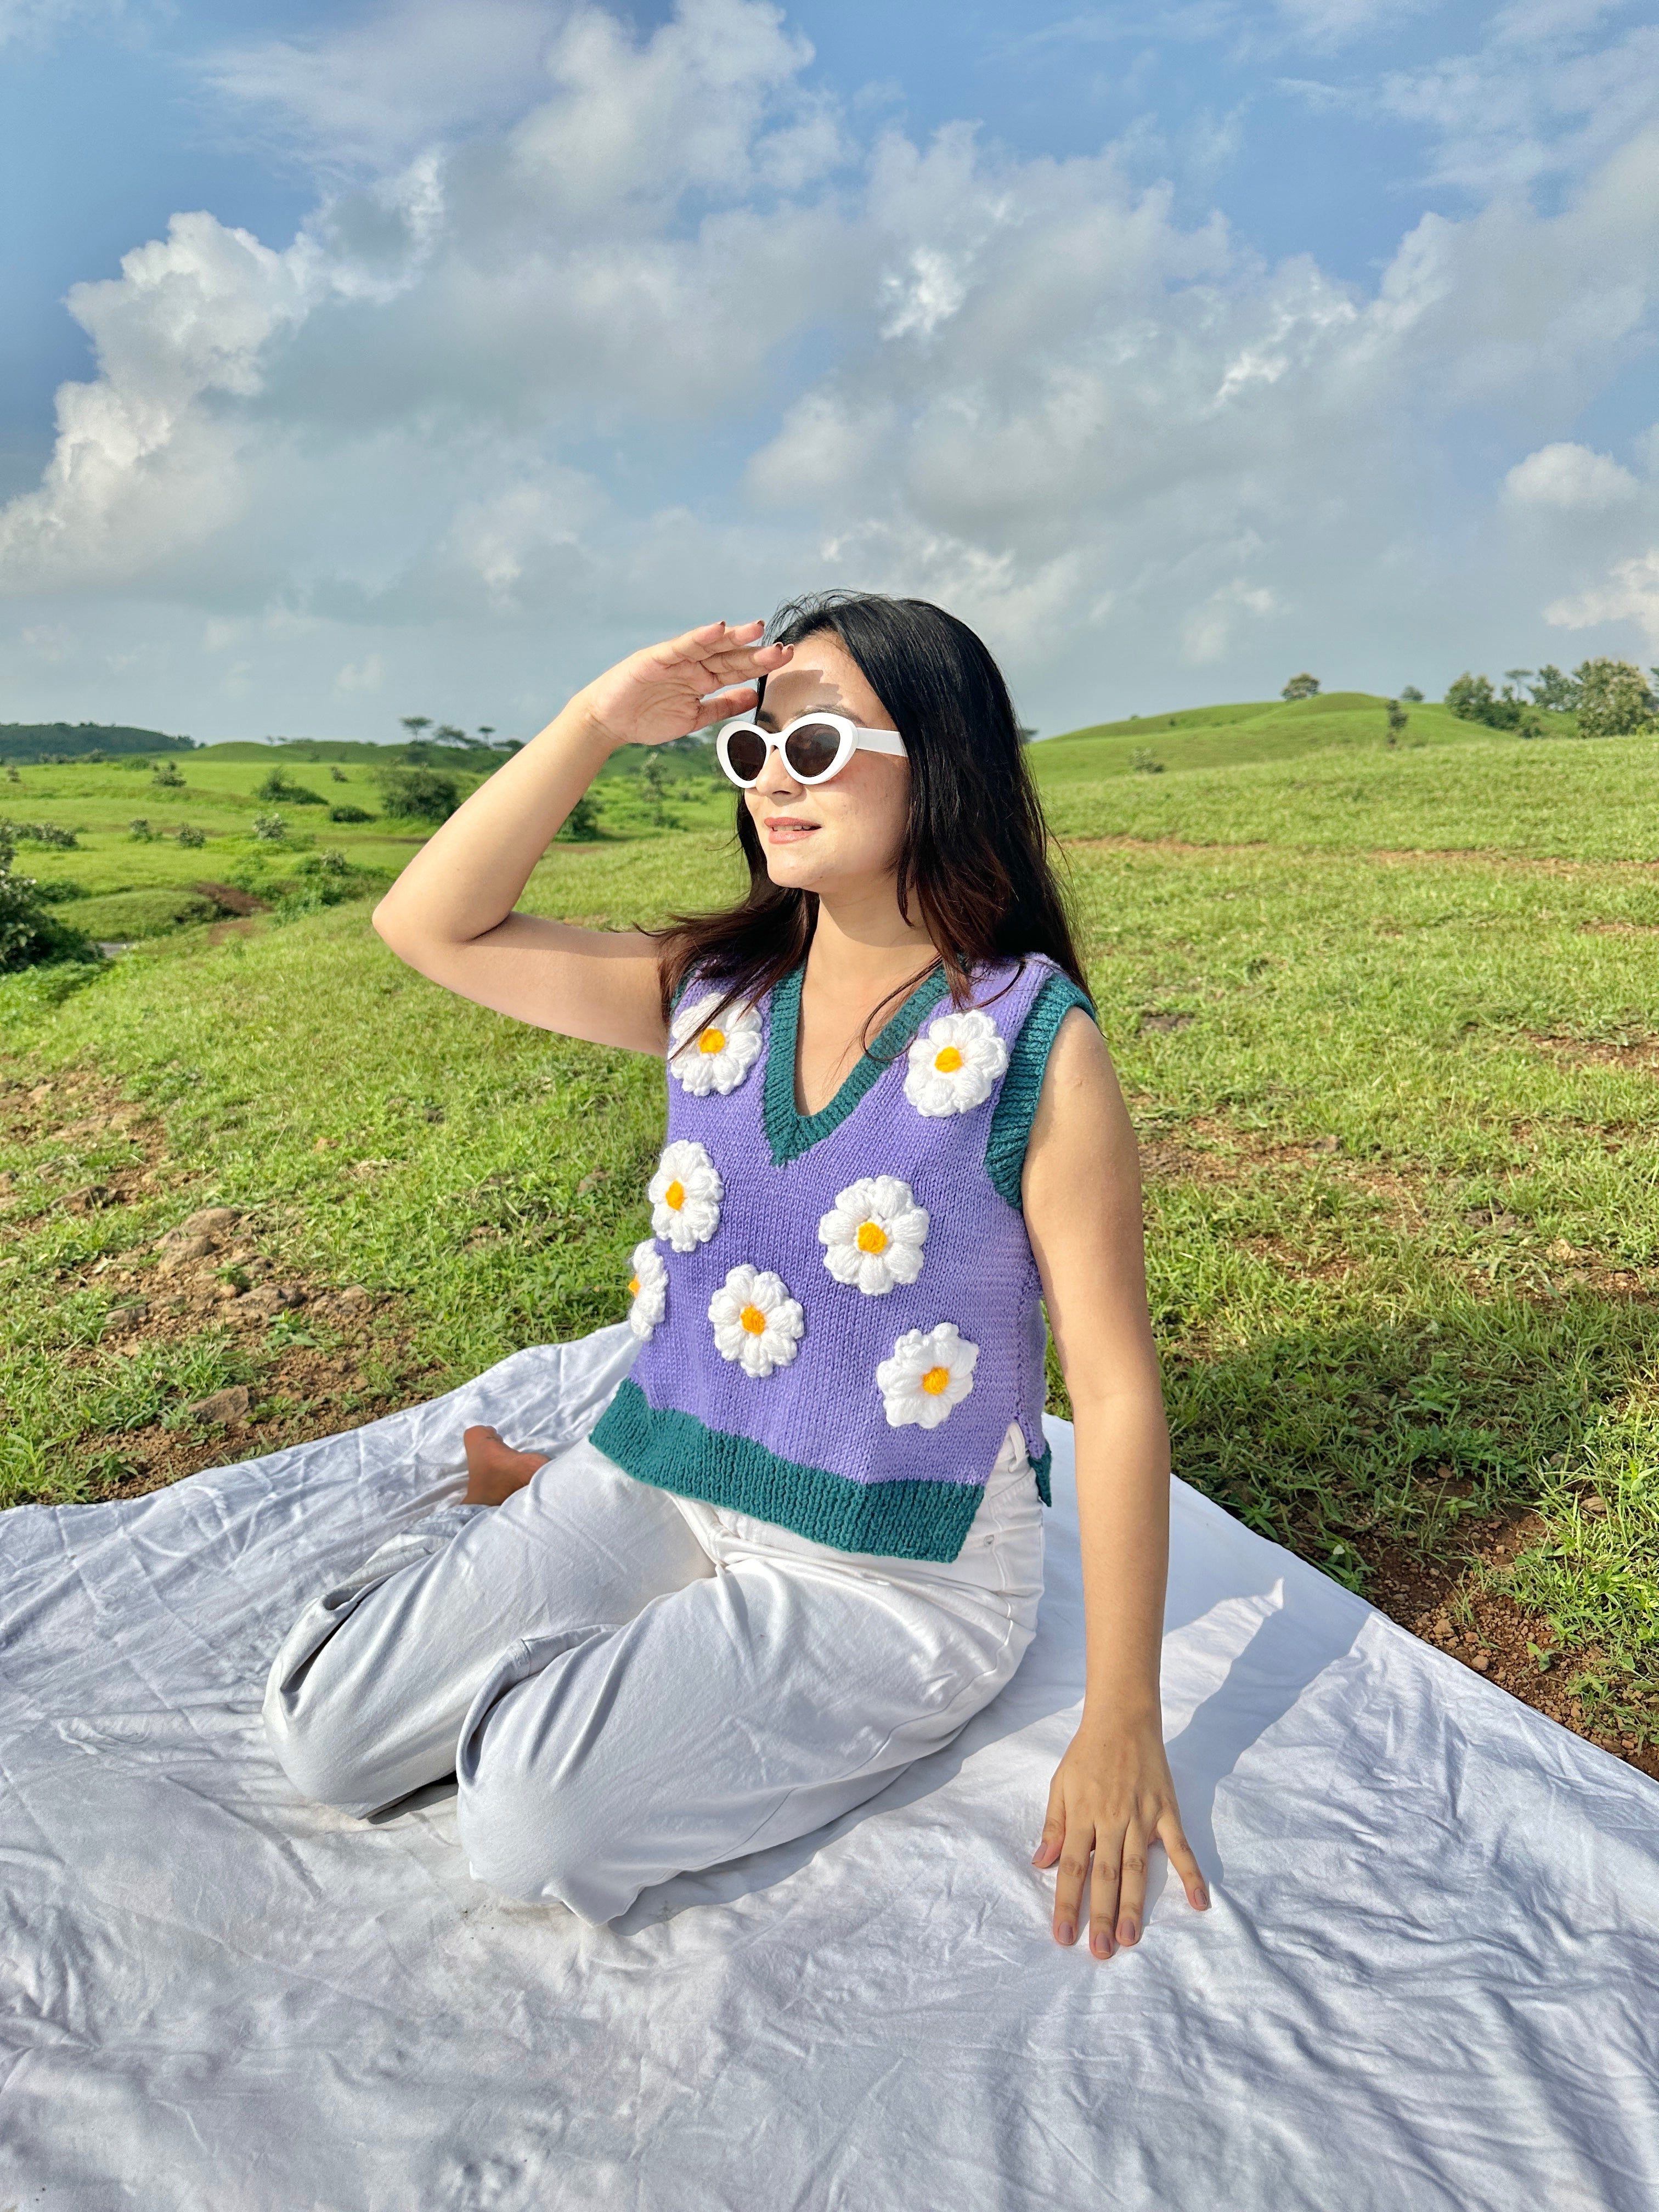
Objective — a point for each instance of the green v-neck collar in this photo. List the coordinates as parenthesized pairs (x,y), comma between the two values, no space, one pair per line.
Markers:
(790,1132)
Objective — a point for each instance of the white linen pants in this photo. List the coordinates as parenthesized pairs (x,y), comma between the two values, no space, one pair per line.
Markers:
(629,1685)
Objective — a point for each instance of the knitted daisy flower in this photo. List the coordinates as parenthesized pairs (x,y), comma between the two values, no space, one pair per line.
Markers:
(954,1064)
(648,1288)
(705,1056)
(685,1194)
(875,1237)
(755,1321)
(931,1371)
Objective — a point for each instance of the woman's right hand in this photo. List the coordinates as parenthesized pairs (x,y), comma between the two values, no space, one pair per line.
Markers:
(663,691)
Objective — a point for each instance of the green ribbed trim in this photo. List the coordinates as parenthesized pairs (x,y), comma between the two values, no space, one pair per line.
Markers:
(1022,1086)
(897,1519)
(1040,1467)
(791,1132)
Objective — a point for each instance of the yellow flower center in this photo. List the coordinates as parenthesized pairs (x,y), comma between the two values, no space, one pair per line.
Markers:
(753,1320)
(674,1196)
(712,1041)
(935,1380)
(633,1286)
(871,1237)
(947,1063)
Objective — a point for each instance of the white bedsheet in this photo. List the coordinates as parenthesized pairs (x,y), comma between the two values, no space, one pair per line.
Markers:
(1430,1977)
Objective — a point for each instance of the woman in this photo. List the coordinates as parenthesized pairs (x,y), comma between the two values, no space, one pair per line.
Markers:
(804,1544)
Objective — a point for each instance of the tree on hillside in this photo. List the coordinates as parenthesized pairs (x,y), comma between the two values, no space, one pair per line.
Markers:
(1398,718)
(1472,699)
(1411,692)
(1555,693)
(1301,687)
(415,723)
(1613,699)
(486,731)
(419,794)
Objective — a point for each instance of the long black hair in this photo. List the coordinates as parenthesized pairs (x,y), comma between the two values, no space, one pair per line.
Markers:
(976,861)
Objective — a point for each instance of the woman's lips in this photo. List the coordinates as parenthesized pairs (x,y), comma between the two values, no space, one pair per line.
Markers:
(788,828)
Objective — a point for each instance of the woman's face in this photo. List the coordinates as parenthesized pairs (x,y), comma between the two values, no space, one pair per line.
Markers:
(844,835)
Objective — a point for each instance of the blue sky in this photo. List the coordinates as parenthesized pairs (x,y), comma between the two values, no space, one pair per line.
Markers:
(360,361)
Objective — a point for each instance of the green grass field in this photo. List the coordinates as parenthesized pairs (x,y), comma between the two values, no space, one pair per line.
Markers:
(1384,1014)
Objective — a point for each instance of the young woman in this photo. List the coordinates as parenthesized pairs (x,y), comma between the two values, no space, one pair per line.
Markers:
(803,1546)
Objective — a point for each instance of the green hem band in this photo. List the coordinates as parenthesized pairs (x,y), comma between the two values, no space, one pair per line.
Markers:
(674,1451)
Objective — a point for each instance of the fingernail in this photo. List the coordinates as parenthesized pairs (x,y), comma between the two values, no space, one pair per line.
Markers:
(1203,1900)
(1101,1944)
(1065,1933)
(1128,1932)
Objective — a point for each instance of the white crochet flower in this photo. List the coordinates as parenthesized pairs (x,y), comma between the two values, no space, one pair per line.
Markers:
(755,1321)
(875,1237)
(954,1063)
(931,1371)
(703,1057)
(648,1289)
(685,1194)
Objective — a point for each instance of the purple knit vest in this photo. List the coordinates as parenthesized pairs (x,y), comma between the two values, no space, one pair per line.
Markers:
(841,1314)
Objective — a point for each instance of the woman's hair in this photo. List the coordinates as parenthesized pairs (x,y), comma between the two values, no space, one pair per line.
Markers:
(975,861)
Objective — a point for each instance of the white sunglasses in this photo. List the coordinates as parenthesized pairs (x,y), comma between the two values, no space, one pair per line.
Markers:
(815,747)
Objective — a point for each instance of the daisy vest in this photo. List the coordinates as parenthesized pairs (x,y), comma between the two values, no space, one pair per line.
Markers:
(839,1313)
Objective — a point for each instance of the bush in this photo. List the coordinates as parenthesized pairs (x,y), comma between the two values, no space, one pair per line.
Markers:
(269,827)
(139,830)
(1146,764)
(29,933)
(350,814)
(168,775)
(1301,687)
(40,833)
(1472,699)
(277,787)
(419,794)
(338,775)
(189,836)
(58,890)
(1398,718)
(1613,699)
(581,825)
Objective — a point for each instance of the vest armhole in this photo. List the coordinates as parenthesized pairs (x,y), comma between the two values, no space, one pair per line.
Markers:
(1022,1086)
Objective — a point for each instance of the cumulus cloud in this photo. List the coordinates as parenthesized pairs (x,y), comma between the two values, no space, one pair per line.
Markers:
(1630,592)
(1569,476)
(664,334)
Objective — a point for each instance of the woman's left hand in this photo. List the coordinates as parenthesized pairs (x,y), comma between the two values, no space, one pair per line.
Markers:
(1111,1799)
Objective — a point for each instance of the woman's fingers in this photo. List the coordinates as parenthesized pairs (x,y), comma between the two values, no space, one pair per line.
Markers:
(1186,1865)
(1131,1886)
(740,702)
(1054,1827)
(1104,1892)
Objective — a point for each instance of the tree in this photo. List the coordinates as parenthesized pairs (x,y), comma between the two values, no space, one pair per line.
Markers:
(1556,693)
(448,734)
(1301,687)
(582,823)
(486,731)
(1398,718)
(1613,699)
(1472,699)
(415,723)
(1410,691)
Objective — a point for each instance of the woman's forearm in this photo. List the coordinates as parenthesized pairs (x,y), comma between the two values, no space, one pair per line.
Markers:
(1123,1513)
(469,876)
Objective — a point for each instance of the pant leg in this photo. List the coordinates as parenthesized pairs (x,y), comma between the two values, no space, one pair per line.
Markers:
(739,1710)
(366,1698)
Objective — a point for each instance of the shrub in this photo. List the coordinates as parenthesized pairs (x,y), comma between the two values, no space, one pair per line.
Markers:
(581,825)
(1398,718)
(338,775)
(269,827)
(1472,699)
(42,833)
(1301,687)
(1146,764)
(137,763)
(29,933)
(419,794)
(139,830)
(169,776)
(350,814)
(277,787)
(1613,699)
(58,890)
(189,836)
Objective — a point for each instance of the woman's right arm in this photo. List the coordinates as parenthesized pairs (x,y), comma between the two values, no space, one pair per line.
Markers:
(450,913)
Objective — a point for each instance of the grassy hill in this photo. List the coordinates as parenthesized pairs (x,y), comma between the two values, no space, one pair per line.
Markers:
(1384,1017)
(33,741)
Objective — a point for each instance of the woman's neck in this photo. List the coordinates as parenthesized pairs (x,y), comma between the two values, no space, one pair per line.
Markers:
(862,943)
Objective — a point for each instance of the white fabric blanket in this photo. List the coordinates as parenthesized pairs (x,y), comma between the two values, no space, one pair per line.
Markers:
(1430,1977)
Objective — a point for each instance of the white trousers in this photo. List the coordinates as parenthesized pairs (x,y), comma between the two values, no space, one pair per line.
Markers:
(629,1685)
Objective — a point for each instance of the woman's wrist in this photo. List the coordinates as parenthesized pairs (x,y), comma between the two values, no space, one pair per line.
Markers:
(1108,1713)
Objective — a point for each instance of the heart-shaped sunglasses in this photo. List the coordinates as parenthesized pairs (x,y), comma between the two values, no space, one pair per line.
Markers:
(815,747)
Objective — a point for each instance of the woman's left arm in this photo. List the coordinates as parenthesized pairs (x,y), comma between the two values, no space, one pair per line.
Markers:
(1112,1796)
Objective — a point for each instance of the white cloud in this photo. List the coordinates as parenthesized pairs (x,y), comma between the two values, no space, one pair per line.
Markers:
(368,674)
(1568,475)
(667,338)
(36,22)
(1630,592)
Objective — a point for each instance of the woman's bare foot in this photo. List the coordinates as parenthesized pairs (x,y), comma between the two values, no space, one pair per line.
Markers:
(494,1470)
